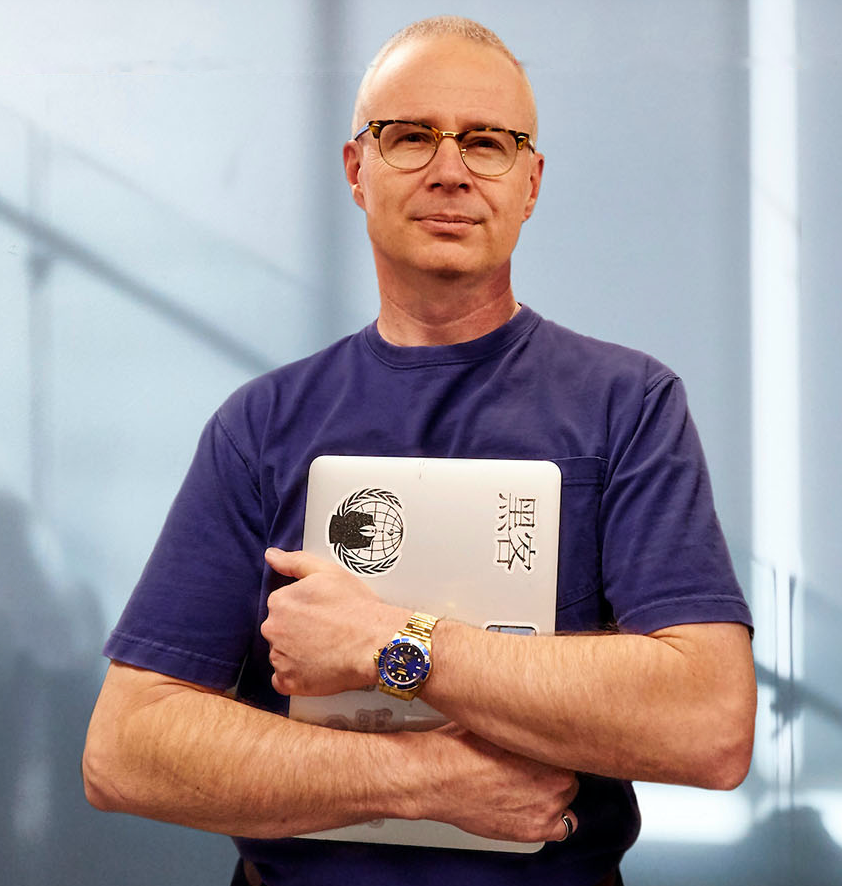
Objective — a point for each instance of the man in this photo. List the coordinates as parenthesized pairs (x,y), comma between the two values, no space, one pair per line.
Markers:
(651,679)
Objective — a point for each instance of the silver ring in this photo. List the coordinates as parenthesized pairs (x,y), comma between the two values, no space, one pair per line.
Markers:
(568,823)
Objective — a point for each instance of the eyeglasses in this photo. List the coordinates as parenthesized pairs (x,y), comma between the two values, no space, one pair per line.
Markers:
(485,151)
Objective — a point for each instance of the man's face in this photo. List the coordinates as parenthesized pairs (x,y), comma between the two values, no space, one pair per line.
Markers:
(443,219)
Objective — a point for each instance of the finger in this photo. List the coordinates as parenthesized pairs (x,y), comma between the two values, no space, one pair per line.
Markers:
(264,631)
(295,564)
(572,791)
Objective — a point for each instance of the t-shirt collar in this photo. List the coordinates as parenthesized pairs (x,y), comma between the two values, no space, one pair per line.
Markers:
(401,357)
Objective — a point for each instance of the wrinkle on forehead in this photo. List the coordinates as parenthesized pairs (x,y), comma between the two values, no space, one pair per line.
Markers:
(475,110)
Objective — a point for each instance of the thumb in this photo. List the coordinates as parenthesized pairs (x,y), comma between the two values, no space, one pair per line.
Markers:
(295,564)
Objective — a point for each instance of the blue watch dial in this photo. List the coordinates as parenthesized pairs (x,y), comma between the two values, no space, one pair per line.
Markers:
(404,663)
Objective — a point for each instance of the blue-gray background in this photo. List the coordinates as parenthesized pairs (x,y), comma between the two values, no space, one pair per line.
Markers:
(174,220)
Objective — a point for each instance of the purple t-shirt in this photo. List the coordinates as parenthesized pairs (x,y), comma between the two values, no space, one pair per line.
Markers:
(640,547)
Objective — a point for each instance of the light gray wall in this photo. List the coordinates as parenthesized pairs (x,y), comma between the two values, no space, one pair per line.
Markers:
(174,219)
(821,427)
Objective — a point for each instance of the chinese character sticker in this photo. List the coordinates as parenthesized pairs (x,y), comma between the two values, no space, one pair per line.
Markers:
(515,541)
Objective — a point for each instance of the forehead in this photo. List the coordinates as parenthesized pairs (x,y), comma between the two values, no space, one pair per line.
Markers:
(450,82)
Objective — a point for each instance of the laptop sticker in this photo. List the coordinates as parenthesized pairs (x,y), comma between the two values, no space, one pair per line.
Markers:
(515,541)
(366,530)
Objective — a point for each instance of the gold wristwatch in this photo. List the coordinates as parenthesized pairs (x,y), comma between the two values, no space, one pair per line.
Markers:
(404,663)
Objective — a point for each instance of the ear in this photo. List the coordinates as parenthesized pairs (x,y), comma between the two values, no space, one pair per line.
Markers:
(535,174)
(352,156)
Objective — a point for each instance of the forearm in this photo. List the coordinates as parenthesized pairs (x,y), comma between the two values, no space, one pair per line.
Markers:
(677,707)
(204,760)
(174,752)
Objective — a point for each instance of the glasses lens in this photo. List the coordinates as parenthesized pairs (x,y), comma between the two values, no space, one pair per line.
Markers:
(407,145)
(412,145)
(487,152)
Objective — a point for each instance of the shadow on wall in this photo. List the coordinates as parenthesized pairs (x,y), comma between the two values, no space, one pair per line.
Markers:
(50,673)
(787,848)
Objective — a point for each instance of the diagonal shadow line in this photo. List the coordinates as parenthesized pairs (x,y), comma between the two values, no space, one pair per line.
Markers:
(791,697)
(161,302)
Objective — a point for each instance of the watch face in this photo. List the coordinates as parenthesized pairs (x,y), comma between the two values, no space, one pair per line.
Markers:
(404,663)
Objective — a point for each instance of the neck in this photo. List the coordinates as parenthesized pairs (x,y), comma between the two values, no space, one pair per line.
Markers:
(444,312)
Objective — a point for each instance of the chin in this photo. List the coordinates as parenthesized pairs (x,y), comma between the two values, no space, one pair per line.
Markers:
(452,267)
(450,273)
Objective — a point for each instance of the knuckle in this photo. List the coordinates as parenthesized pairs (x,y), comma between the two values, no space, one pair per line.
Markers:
(531,834)
(284,683)
(567,783)
(566,778)
(543,829)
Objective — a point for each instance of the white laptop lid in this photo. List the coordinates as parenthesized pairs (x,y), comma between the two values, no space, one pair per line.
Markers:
(471,539)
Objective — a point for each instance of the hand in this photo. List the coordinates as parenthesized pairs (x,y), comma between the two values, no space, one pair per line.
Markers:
(492,792)
(324,628)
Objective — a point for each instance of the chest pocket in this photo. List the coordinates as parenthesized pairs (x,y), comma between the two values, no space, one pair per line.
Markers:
(580,604)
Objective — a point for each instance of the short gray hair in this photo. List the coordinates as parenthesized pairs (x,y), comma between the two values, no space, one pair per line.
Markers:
(438,26)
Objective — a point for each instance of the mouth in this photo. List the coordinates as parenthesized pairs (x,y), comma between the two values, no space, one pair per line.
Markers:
(446,225)
(447,219)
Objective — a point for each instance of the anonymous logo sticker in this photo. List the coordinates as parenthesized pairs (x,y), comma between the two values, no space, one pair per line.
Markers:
(366,531)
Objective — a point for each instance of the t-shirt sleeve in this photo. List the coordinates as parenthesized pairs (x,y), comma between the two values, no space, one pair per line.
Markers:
(664,557)
(192,614)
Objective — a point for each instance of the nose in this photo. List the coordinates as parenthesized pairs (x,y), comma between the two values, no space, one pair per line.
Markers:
(447,168)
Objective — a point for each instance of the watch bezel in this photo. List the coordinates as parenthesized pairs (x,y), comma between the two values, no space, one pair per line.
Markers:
(416,681)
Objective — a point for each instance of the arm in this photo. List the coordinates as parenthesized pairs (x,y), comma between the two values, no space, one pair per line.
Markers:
(674,706)
(175,751)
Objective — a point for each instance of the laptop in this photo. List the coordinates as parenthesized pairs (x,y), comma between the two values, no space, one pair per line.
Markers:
(471,539)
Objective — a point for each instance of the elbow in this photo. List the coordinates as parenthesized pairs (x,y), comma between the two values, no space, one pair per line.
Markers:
(97,777)
(94,792)
(729,746)
(729,767)
(716,766)
(725,726)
